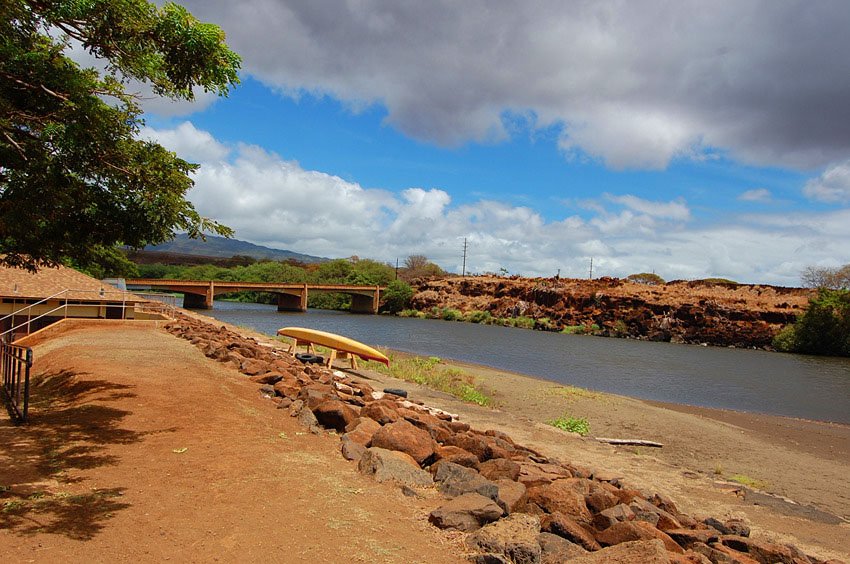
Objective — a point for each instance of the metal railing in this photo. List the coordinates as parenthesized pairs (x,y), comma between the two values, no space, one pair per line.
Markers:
(65,309)
(16,362)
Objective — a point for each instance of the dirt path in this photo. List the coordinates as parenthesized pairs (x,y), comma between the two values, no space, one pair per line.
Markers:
(141,449)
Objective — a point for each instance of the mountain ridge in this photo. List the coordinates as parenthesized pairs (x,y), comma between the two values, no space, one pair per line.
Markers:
(222,247)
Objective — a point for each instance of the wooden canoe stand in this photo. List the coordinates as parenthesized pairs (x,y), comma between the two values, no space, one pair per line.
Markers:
(335,354)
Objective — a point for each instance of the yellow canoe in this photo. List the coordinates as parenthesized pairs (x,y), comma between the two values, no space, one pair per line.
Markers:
(333,341)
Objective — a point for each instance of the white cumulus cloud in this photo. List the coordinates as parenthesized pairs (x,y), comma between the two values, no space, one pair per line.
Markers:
(272,201)
(832,186)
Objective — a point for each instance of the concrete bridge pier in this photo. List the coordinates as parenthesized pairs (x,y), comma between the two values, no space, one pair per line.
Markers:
(365,304)
(292,302)
(200,301)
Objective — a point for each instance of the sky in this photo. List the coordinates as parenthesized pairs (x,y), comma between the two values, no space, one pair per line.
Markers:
(690,139)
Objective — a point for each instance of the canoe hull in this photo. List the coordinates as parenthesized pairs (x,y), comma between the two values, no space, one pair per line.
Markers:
(334,341)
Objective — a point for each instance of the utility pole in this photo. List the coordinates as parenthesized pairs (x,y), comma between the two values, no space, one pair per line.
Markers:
(463,271)
(396,268)
(590,274)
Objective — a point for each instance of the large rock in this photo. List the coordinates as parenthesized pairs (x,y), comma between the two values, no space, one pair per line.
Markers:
(393,466)
(514,536)
(499,468)
(539,474)
(454,480)
(334,414)
(404,437)
(765,552)
(467,512)
(556,550)
(382,411)
(643,552)
(564,526)
(456,455)
(636,530)
(560,496)
(351,450)
(362,429)
(511,495)
(608,517)
(470,442)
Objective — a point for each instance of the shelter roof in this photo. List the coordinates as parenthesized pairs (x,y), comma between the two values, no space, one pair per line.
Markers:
(23,284)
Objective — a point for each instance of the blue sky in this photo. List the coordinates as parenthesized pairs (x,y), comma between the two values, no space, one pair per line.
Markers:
(545,134)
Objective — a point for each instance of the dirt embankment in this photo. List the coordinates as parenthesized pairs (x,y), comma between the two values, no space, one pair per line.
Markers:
(739,315)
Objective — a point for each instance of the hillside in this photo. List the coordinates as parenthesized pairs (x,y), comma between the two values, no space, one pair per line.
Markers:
(740,315)
(220,247)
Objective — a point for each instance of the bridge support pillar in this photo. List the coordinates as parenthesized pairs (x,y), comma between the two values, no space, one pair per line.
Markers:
(365,304)
(291,302)
(196,301)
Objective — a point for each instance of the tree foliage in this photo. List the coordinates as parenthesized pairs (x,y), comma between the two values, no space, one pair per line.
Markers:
(825,277)
(397,296)
(75,178)
(649,278)
(823,329)
(418,266)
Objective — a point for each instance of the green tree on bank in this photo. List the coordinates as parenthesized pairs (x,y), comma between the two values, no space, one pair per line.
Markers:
(75,180)
(824,328)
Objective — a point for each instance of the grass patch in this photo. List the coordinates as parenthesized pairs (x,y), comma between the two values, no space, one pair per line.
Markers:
(745,480)
(572,424)
(580,329)
(572,392)
(432,373)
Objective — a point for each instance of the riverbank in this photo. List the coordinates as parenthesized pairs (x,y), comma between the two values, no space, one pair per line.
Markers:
(801,465)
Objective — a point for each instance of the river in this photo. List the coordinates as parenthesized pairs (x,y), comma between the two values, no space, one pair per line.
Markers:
(809,387)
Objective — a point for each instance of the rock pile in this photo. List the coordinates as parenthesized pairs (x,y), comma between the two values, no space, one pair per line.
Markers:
(518,505)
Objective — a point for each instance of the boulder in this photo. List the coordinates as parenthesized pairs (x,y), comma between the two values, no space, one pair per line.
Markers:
(382,411)
(645,552)
(729,527)
(287,387)
(334,414)
(515,537)
(404,437)
(561,497)
(267,378)
(499,468)
(456,455)
(313,394)
(393,466)
(351,450)
(251,367)
(454,480)
(538,474)
(361,430)
(636,530)
(306,418)
(467,512)
(599,500)
(608,517)
(511,495)
(688,537)
(556,550)
(564,526)
(765,552)
(470,442)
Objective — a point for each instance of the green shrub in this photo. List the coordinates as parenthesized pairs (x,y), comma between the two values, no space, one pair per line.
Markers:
(571,424)
(450,314)
(649,278)
(825,326)
(397,296)
(620,328)
(476,316)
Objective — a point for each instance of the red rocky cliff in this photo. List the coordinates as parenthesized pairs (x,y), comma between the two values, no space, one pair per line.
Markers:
(739,315)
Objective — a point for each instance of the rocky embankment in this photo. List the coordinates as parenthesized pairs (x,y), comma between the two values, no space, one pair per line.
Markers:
(739,315)
(516,504)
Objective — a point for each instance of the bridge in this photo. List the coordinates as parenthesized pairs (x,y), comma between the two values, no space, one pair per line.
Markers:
(199,294)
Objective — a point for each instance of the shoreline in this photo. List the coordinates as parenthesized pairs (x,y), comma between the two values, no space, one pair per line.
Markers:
(793,491)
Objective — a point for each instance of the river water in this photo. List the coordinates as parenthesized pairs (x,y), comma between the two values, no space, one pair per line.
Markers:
(746,380)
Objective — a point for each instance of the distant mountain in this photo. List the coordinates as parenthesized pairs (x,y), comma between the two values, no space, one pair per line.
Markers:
(221,247)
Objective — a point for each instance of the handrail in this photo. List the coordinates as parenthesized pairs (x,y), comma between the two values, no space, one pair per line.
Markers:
(101,293)
(5,317)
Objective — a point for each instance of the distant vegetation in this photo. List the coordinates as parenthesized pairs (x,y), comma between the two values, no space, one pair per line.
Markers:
(825,326)
(353,270)
(649,278)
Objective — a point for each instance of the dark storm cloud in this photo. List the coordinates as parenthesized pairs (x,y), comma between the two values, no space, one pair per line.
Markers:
(635,83)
